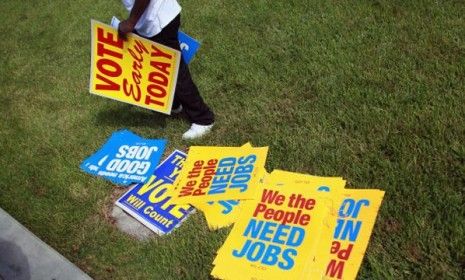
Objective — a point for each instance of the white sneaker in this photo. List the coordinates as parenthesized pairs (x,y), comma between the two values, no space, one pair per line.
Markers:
(196,131)
(177,110)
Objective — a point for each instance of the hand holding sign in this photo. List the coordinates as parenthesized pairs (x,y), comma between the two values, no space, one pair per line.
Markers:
(124,28)
(136,71)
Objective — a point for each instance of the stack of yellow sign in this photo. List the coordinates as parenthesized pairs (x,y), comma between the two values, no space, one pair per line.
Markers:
(214,179)
(299,227)
(286,225)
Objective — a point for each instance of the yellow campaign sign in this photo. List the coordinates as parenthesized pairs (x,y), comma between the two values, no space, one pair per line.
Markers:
(136,71)
(223,213)
(356,217)
(219,173)
(277,234)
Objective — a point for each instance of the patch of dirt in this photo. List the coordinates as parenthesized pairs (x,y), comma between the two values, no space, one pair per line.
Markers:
(392,226)
(107,205)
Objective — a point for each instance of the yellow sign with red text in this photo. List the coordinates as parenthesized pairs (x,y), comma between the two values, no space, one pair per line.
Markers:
(219,173)
(136,71)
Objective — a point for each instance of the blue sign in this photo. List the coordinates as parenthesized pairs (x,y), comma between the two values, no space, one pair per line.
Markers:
(150,204)
(125,158)
(189,46)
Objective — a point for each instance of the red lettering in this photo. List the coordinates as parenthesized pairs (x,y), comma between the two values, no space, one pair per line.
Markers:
(162,79)
(209,172)
(305,219)
(102,65)
(269,196)
(140,47)
(109,84)
(136,77)
(260,208)
(136,57)
(335,247)
(109,39)
(185,191)
(101,51)
(130,92)
(198,192)
(163,67)
(284,217)
(268,214)
(157,52)
(341,254)
(106,66)
(310,204)
(344,254)
(212,162)
(333,269)
(155,91)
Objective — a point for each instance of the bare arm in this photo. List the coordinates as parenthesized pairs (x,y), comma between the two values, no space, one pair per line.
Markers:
(127,26)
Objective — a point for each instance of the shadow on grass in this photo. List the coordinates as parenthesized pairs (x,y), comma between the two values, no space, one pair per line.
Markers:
(127,115)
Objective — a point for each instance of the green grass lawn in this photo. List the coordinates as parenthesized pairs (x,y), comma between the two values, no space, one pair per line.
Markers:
(373,91)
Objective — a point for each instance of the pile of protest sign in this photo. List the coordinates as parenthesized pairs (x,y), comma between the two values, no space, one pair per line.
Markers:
(299,227)
(285,225)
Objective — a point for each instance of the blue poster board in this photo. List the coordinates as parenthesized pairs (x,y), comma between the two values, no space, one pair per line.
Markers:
(189,46)
(125,158)
(149,202)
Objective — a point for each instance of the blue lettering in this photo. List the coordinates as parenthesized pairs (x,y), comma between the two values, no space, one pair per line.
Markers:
(261,247)
(240,254)
(350,208)
(248,159)
(296,236)
(267,229)
(228,205)
(287,257)
(253,228)
(281,231)
(348,230)
(271,255)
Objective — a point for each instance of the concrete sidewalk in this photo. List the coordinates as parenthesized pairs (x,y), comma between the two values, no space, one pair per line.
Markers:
(24,256)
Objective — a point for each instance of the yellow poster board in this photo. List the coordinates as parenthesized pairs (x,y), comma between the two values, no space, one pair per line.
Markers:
(219,173)
(277,234)
(355,220)
(223,213)
(136,71)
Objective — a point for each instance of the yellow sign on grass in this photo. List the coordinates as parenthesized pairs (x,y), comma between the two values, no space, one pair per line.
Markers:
(277,234)
(136,71)
(219,173)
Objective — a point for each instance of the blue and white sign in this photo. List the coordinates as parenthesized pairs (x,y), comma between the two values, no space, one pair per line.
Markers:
(125,158)
(189,46)
(150,204)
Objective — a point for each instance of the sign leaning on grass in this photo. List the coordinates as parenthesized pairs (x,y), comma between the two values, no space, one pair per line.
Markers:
(136,71)
(150,204)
